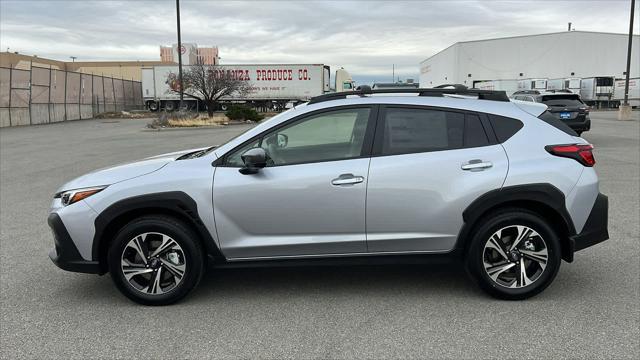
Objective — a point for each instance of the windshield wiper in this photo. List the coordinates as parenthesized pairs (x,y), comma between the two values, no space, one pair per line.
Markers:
(196,154)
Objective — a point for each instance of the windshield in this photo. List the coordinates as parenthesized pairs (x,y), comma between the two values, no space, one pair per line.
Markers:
(562,100)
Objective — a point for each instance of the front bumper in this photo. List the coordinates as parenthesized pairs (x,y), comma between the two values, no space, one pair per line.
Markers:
(65,254)
(595,229)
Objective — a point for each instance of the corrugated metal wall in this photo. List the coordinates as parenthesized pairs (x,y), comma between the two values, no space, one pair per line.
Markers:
(44,95)
(557,55)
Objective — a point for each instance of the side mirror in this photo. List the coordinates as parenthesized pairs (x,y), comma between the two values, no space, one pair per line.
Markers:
(283,140)
(254,160)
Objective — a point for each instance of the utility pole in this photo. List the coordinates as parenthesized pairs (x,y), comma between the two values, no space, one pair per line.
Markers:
(393,73)
(624,113)
(179,55)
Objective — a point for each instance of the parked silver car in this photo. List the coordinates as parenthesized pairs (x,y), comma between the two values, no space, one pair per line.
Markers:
(367,176)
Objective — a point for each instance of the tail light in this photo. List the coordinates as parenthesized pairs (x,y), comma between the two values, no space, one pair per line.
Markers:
(579,152)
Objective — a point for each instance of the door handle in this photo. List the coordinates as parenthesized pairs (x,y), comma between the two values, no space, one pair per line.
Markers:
(347,179)
(476,165)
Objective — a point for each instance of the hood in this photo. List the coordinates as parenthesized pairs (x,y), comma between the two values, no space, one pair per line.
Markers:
(126,171)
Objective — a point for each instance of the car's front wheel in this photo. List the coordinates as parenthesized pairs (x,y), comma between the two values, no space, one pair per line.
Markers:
(156,260)
(514,254)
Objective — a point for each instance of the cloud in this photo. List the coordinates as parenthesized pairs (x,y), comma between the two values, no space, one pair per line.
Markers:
(365,37)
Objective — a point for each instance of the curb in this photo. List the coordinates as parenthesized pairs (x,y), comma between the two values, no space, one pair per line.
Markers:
(191,127)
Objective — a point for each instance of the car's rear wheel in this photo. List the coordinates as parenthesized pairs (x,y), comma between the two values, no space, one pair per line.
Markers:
(155,260)
(514,254)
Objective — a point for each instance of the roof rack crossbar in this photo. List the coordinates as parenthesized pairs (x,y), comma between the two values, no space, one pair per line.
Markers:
(481,94)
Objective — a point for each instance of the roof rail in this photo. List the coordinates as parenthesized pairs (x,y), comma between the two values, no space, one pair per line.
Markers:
(527,92)
(449,86)
(365,90)
(564,91)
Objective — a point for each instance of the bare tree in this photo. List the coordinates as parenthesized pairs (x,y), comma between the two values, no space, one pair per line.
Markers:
(209,83)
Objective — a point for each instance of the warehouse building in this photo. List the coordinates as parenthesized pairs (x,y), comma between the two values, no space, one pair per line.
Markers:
(569,54)
(129,70)
(191,54)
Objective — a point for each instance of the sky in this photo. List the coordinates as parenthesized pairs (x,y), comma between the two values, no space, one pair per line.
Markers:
(367,38)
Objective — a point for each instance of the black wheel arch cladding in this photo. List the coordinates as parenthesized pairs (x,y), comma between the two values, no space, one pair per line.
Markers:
(545,199)
(175,203)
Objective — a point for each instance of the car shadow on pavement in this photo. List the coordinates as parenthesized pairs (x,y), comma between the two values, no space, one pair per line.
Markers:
(331,281)
(437,282)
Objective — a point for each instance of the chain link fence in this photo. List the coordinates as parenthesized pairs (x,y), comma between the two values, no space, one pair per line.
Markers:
(44,95)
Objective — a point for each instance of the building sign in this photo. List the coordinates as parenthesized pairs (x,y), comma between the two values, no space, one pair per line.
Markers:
(189,53)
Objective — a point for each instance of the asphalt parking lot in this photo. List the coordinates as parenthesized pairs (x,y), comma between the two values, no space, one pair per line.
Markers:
(592,310)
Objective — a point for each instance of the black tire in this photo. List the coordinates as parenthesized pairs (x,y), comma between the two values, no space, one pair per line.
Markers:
(170,106)
(190,248)
(502,219)
(153,106)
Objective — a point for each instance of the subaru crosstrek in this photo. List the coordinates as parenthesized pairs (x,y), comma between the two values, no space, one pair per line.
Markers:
(367,177)
(563,105)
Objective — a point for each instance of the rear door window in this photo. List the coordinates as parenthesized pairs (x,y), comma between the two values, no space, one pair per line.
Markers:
(415,130)
(474,134)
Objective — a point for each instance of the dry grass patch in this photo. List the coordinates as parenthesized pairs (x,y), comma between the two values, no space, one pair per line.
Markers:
(126,115)
(201,120)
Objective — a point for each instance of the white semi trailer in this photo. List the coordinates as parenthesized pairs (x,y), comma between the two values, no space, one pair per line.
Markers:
(597,91)
(532,84)
(508,86)
(271,85)
(571,84)
(634,92)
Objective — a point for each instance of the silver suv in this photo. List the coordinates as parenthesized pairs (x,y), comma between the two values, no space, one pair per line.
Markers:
(409,175)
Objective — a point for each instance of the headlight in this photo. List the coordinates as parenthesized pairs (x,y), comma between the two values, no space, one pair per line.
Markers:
(71,196)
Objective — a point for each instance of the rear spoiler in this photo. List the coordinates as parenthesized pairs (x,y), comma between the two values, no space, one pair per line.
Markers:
(534,109)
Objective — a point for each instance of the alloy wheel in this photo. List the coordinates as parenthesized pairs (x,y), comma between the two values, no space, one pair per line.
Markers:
(153,263)
(515,256)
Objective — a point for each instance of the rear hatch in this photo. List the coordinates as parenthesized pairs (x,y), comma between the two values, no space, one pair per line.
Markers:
(566,107)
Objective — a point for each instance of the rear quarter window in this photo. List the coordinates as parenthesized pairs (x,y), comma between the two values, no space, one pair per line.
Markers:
(504,127)
(552,120)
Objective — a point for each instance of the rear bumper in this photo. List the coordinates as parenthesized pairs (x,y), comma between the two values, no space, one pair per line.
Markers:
(579,124)
(595,229)
(65,254)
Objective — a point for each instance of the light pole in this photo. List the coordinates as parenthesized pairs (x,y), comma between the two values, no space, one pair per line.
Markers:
(73,58)
(624,113)
(393,73)
(179,54)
